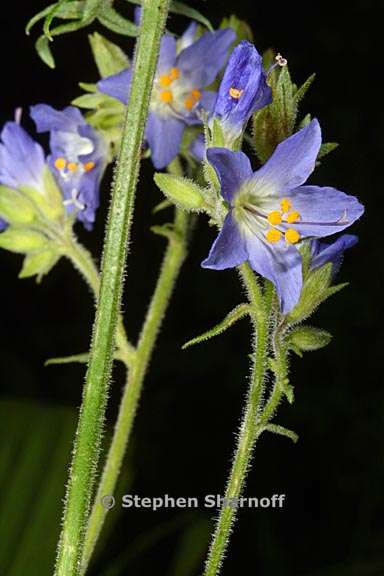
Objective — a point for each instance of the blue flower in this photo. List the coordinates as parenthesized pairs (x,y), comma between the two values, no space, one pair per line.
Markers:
(324,252)
(243,90)
(183,71)
(22,160)
(270,211)
(197,148)
(77,160)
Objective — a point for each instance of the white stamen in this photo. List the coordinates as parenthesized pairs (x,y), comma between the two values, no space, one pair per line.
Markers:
(74,200)
(280,60)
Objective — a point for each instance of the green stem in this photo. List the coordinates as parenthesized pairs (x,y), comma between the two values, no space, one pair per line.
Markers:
(172,262)
(83,261)
(250,427)
(92,413)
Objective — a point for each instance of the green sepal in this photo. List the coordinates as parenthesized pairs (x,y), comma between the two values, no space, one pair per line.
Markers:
(22,240)
(217,138)
(109,58)
(39,263)
(48,199)
(182,192)
(163,205)
(64,10)
(80,358)
(326,149)
(166,230)
(276,122)
(240,27)
(236,314)
(307,339)
(282,431)
(316,289)
(15,208)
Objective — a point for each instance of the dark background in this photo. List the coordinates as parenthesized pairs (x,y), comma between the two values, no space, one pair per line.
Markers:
(331,523)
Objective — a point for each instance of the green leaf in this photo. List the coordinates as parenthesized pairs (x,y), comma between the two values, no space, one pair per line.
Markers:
(182,192)
(327,148)
(235,315)
(276,429)
(39,264)
(185,10)
(162,206)
(75,358)
(307,338)
(91,9)
(300,93)
(240,27)
(109,57)
(34,452)
(50,16)
(316,289)
(69,10)
(44,51)
(22,240)
(15,208)
(117,23)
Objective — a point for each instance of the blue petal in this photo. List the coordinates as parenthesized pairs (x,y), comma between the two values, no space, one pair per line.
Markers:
(164,134)
(281,264)
(244,72)
(22,160)
(188,37)
(117,85)
(47,118)
(167,56)
(207,101)
(324,252)
(232,169)
(202,61)
(323,210)
(291,163)
(197,148)
(137,15)
(228,250)
(3,225)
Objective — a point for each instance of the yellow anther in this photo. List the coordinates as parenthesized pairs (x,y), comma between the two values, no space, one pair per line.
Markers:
(189,103)
(196,95)
(88,166)
(165,80)
(292,236)
(72,166)
(274,217)
(273,235)
(293,217)
(285,204)
(60,163)
(235,93)
(174,74)
(166,96)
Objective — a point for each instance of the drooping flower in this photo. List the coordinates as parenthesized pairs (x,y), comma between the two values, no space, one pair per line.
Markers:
(324,252)
(243,90)
(184,71)
(270,211)
(77,159)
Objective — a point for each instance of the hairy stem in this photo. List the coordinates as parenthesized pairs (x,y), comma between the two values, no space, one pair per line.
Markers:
(171,265)
(250,428)
(92,413)
(83,261)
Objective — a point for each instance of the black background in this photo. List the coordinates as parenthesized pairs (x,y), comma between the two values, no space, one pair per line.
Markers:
(184,433)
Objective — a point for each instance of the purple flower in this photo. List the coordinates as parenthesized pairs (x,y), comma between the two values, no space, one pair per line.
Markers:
(178,92)
(197,148)
(324,252)
(77,160)
(22,160)
(243,90)
(270,211)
